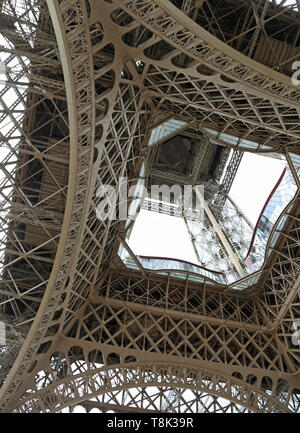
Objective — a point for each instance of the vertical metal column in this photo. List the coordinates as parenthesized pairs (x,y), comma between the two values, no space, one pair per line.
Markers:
(233,257)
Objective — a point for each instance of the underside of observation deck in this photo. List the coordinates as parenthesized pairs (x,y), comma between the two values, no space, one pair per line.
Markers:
(84,85)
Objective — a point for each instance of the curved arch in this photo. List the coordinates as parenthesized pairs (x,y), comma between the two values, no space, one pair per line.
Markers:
(77,63)
(78,68)
(67,256)
(198,43)
(262,211)
(132,375)
(35,334)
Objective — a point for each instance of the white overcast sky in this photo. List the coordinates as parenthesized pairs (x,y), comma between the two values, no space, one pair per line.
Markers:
(255,179)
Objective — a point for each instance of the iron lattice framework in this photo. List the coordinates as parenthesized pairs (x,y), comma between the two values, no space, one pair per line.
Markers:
(89,80)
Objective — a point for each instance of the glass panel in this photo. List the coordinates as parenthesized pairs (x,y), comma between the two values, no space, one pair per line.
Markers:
(157,263)
(249,281)
(165,129)
(283,193)
(241,143)
(295,159)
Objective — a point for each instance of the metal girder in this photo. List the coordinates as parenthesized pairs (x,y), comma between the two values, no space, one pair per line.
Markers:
(122,62)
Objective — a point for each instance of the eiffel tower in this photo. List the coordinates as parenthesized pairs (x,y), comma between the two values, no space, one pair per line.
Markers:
(94,91)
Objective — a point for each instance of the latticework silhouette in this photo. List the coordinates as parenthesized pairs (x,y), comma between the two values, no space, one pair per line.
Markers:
(84,85)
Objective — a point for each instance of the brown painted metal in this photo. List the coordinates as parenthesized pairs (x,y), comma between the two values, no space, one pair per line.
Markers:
(99,75)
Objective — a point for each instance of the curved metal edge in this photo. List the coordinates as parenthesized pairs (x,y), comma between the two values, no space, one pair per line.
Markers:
(216,43)
(262,211)
(71,101)
(166,366)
